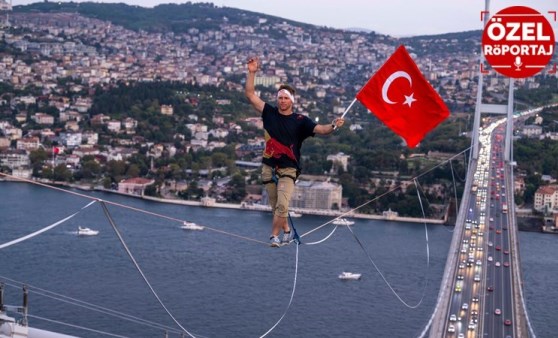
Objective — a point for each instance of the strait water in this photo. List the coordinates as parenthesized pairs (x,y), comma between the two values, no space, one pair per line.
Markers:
(219,285)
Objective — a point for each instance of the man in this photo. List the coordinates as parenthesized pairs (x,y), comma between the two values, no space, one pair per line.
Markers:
(284,133)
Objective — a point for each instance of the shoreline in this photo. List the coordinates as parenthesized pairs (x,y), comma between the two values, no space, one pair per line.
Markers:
(266,208)
(253,207)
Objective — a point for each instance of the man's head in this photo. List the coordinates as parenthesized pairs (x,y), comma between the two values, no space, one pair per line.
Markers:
(288,88)
(285,98)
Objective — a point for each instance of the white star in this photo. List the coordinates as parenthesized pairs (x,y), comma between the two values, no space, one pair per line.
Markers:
(409,99)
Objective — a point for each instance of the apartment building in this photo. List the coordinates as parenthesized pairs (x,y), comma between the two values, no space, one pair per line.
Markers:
(546,197)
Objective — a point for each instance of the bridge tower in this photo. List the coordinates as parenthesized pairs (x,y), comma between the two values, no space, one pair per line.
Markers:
(481,108)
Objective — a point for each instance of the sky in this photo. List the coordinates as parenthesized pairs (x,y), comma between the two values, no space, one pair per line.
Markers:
(397,18)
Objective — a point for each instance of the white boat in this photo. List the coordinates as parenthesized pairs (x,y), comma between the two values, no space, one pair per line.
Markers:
(349,275)
(343,221)
(86,232)
(191,226)
(294,214)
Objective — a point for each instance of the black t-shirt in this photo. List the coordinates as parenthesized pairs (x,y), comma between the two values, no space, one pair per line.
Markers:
(284,135)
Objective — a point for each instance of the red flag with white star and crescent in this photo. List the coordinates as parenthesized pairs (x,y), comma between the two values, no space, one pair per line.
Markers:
(400,96)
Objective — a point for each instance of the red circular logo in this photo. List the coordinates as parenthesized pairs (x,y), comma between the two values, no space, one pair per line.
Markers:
(518,42)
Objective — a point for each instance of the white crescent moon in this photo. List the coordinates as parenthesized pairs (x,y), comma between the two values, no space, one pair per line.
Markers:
(388,82)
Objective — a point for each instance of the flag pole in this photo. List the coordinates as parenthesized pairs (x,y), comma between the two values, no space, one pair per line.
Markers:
(346,110)
(349,107)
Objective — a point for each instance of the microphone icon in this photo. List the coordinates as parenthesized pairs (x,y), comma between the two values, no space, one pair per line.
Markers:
(517,63)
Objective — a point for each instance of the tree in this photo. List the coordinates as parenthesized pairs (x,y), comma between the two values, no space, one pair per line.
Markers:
(90,169)
(236,189)
(62,173)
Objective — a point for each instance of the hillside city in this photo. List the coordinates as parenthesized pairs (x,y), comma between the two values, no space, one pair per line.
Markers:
(54,65)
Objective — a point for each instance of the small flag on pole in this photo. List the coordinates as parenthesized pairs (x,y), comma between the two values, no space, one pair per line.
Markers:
(400,96)
(55,150)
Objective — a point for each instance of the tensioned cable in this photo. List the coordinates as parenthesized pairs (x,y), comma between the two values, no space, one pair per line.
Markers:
(217,230)
(86,305)
(40,231)
(382,195)
(111,221)
(128,207)
(427,259)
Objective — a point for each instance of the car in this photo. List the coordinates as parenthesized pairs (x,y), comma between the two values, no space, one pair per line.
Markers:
(497,264)
(461,335)
(475,299)
(459,286)
(498,231)
(490,288)
(498,248)
(460,277)
(462,265)
(490,244)
(451,328)
(479,262)
(490,259)
(506,252)
(507,264)
(477,278)
(507,322)
(497,312)
(453,318)
(472,325)
(465,306)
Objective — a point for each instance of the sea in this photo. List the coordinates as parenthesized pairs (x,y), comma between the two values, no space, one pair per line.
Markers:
(225,281)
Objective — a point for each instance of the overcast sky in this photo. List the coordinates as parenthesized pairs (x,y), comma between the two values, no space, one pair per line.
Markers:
(392,17)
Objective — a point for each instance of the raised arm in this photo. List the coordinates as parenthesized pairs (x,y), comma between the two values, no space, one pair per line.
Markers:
(250,91)
(326,129)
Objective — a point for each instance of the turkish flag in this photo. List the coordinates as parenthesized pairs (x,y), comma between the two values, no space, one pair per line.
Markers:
(55,150)
(400,96)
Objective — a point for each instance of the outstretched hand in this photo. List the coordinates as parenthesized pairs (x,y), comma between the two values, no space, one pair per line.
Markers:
(253,64)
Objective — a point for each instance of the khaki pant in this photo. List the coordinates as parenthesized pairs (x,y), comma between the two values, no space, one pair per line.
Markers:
(280,193)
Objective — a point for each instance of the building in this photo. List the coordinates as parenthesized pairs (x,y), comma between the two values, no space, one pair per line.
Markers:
(167,110)
(134,186)
(339,160)
(532,131)
(546,198)
(314,194)
(28,143)
(41,118)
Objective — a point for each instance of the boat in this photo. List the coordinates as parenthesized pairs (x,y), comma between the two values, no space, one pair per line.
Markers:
(294,214)
(86,232)
(191,226)
(343,221)
(349,275)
